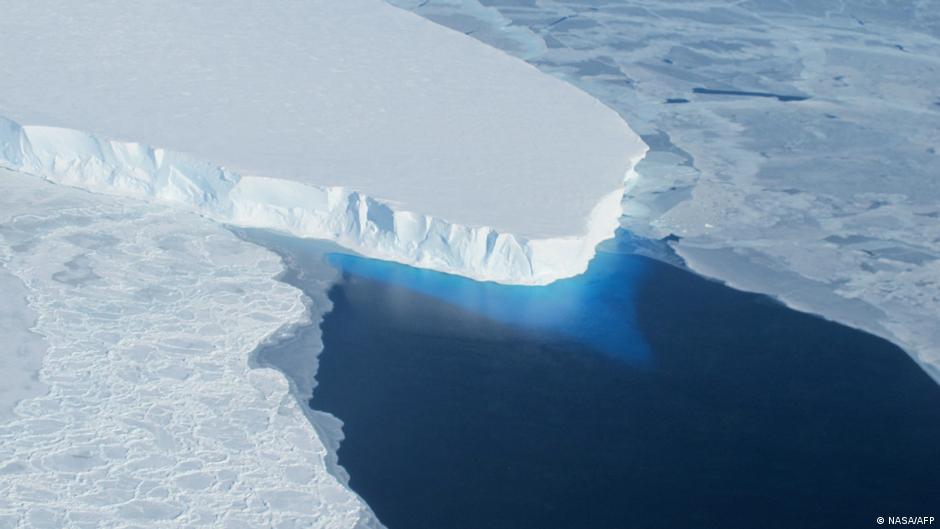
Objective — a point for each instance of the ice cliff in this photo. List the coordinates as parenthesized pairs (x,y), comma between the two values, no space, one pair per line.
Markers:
(352,219)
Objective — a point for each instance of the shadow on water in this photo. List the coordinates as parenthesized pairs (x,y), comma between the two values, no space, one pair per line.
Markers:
(637,396)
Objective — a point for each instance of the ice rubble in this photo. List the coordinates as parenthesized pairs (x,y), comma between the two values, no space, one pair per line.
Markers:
(153,415)
(394,136)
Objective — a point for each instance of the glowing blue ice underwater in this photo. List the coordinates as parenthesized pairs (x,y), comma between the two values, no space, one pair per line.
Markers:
(595,309)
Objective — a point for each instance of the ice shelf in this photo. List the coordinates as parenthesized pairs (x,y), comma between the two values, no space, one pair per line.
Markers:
(354,121)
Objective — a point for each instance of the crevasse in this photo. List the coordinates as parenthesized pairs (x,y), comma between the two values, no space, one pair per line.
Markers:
(351,219)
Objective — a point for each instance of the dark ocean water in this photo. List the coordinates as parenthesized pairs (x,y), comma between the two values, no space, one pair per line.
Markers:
(636,396)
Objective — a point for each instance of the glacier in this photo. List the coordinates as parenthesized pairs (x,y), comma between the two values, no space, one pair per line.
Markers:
(353,121)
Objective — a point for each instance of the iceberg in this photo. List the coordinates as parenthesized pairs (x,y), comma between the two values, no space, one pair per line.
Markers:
(355,121)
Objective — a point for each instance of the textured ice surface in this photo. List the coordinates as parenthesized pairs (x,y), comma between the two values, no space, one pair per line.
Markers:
(357,94)
(795,146)
(20,349)
(153,416)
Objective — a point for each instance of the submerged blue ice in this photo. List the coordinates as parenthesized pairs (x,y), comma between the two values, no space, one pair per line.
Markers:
(595,309)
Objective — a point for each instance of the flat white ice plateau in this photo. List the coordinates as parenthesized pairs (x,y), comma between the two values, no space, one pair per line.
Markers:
(440,151)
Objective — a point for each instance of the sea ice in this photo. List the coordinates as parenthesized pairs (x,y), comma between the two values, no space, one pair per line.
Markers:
(22,348)
(153,415)
(794,146)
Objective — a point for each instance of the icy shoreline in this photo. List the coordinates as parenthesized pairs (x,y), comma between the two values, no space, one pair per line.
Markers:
(355,221)
(294,350)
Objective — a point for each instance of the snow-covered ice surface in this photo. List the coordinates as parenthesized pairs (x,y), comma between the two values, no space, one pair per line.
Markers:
(154,416)
(21,350)
(793,145)
(398,138)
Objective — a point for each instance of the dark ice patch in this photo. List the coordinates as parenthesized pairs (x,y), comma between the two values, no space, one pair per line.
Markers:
(747,93)
(78,271)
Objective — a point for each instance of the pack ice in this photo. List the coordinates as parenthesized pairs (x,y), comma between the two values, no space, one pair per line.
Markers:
(147,411)
(353,121)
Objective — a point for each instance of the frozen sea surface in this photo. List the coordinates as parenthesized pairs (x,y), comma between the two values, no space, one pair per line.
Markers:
(152,415)
(21,350)
(795,145)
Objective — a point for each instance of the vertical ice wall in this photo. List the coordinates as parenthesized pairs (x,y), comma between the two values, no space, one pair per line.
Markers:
(354,220)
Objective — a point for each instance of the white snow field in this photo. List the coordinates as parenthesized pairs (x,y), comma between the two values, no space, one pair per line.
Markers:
(151,414)
(809,172)
(356,121)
